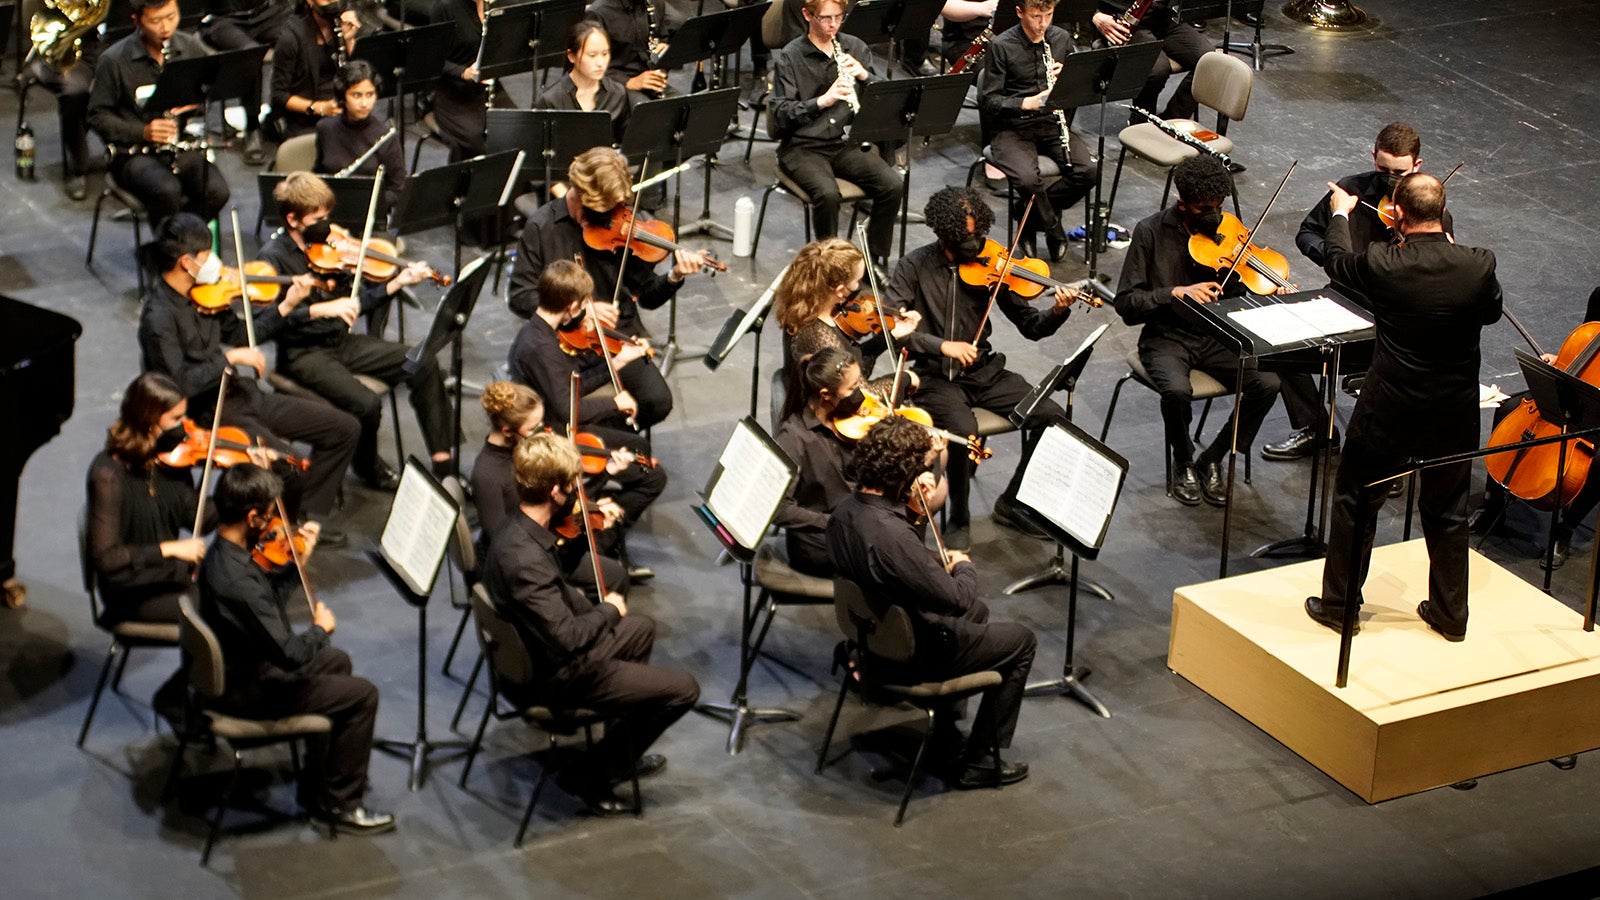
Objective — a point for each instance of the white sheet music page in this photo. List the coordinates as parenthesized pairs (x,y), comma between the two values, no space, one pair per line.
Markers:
(418,529)
(1284,323)
(1070,484)
(750,487)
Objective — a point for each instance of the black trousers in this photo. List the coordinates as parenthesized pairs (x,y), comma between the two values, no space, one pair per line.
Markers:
(197,186)
(332,434)
(643,380)
(992,387)
(1017,151)
(224,33)
(330,371)
(615,678)
(1371,453)
(815,170)
(1181,44)
(975,644)
(1301,399)
(1168,361)
(72,105)
(335,775)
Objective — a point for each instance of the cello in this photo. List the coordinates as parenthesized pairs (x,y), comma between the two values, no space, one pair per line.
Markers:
(1535,475)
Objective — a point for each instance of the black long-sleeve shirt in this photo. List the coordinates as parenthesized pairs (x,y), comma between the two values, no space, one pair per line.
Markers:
(304,66)
(873,544)
(1365,226)
(926,280)
(131,512)
(341,142)
(123,76)
(820,458)
(801,73)
(557,622)
(627,24)
(537,360)
(299,329)
(494,487)
(610,98)
(1158,261)
(553,233)
(247,608)
(189,347)
(1016,71)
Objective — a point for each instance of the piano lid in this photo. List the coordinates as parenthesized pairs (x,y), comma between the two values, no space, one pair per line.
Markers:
(29,333)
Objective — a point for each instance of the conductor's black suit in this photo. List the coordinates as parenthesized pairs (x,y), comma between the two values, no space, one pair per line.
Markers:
(1431,299)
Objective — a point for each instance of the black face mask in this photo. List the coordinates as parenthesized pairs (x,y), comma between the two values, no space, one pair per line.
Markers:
(849,404)
(1389,181)
(967,249)
(170,438)
(1205,223)
(331,11)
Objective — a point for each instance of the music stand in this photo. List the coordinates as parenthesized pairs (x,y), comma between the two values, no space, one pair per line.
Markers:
(891,21)
(552,138)
(738,324)
(1078,479)
(409,60)
(677,128)
(1198,10)
(1063,377)
(453,193)
(907,108)
(515,37)
(449,323)
(351,196)
(409,553)
(1101,76)
(1569,403)
(751,478)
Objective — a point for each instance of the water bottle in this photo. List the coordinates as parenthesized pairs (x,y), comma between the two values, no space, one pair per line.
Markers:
(25,153)
(744,226)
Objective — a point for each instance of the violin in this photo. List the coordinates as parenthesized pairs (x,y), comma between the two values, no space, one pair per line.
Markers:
(231,447)
(596,454)
(875,409)
(1026,276)
(266,286)
(278,546)
(652,240)
(586,338)
(381,263)
(1534,474)
(570,527)
(1261,269)
(864,316)
(1385,207)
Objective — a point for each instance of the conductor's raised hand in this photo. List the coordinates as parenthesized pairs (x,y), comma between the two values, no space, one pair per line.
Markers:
(1340,201)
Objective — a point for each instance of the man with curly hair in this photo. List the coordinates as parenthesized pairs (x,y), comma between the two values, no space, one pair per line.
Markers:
(872,543)
(967,372)
(1156,274)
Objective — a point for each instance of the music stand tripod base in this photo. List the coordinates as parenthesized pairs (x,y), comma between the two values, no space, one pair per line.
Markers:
(1056,573)
(1070,684)
(741,717)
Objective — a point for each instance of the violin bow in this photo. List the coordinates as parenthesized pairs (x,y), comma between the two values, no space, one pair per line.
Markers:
(872,282)
(1522,330)
(583,495)
(366,233)
(605,354)
(294,553)
(211,455)
(244,286)
(1005,271)
(1244,251)
(894,386)
(627,238)
(933,524)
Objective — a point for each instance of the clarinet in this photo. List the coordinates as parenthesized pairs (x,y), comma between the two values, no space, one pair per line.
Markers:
(1187,138)
(852,100)
(1049,85)
(339,55)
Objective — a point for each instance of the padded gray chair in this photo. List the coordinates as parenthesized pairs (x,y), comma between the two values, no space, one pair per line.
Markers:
(297,154)
(207,679)
(781,586)
(849,193)
(1203,386)
(510,668)
(1047,169)
(1221,83)
(879,633)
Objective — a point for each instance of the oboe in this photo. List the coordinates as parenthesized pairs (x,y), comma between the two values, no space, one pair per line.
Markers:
(1049,85)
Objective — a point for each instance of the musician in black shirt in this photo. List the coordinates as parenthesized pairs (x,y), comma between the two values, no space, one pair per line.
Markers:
(237,25)
(166,181)
(1156,274)
(1015,99)
(816,78)
(1180,44)
(589,83)
(351,135)
(274,672)
(460,98)
(632,35)
(308,54)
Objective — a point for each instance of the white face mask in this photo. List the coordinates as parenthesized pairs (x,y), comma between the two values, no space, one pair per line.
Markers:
(210,271)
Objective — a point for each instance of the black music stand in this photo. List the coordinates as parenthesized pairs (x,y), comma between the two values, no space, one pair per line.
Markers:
(1101,77)
(711,36)
(891,21)
(351,196)
(520,37)
(1063,377)
(551,138)
(1199,10)
(1079,479)
(409,60)
(409,553)
(739,324)
(906,108)
(451,194)
(677,128)
(751,478)
(450,319)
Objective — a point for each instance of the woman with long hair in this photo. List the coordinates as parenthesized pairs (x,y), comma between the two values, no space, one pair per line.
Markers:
(587,84)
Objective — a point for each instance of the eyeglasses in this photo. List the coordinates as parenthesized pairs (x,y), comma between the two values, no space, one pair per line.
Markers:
(829,20)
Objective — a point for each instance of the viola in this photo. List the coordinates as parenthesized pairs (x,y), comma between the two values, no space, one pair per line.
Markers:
(380,262)
(274,549)
(232,447)
(1261,269)
(1534,474)
(652,240)
(875,409)
(1026,276)
(863,316)
(265,287)
(1385,207)
(585,338)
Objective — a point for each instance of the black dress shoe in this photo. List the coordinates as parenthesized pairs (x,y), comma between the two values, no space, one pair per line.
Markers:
(77,187)
(958,539)
(1425,613)
(980,773)
(1328,615)
(381,477)
(1300,443)
(1056,243)
(640,573)
(254,154)
(645,766)
(358,820)
(1186,486)
(1212,485)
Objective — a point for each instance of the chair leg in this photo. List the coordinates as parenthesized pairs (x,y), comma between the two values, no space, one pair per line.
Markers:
(1116,179)
(1200,426)
(227,798)
(472,682)
(94,227)
(533,801)
(122,666)
(1167,191)
(761,219)
(477,739)
(916,766)
(394,416)
(450,655)
(100,686)
(827,737)
(172,771)
(1105,426)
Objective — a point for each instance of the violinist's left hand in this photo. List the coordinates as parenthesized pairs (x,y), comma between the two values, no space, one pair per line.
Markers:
(620,460)
(608,507)
(1341,201)
(1064,298)
(686,263)
(298,291)
(413,273)
(907,324)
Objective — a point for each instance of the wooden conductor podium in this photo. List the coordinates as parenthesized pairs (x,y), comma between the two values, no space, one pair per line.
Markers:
(1419,712)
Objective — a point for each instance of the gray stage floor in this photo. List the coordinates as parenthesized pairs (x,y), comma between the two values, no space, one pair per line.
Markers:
(1174,795)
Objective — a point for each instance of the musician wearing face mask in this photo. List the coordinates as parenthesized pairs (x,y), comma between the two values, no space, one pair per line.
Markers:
(305,61)
(1158,273)
(166,180)
(966,371)
(821,277)
(349,138)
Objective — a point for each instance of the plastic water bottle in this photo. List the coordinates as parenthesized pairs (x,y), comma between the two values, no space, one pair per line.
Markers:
(744,226)
(24,148)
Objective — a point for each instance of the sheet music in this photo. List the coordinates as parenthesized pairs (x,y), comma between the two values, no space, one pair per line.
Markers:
(1070,484)
(1285,323)
(418,530)
(751,485)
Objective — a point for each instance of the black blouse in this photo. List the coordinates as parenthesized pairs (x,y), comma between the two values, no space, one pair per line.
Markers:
(611,98)
(130,514)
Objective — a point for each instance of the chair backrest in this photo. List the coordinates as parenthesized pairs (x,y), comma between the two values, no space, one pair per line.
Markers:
(86,565)
(462,548)
(772,26)
(202,650)
(297,154)
(509,662)
(881,629)
(1223,81)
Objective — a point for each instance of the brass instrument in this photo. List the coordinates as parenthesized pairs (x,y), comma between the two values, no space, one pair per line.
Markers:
(1049,85)
(851,100)
(57,30)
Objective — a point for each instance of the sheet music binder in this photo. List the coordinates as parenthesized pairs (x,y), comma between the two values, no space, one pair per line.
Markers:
(741,531)
(1087,488)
